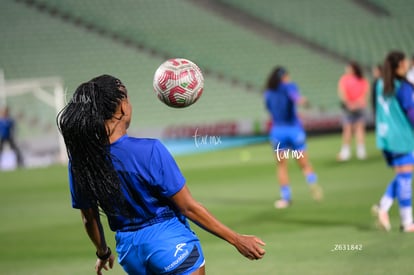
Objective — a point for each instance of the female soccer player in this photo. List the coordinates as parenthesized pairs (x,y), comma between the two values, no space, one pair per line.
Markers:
(138,185)
(394,133)
(353,90)
(287,134)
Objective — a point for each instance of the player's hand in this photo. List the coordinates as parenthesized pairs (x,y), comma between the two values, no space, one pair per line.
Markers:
(307,104)
(250,247)
(304,102)
(100,264)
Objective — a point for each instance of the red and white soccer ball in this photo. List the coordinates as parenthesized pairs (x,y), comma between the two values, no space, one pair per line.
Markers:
(178,82)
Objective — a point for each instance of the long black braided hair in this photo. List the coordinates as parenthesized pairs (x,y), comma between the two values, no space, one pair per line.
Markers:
(82,125)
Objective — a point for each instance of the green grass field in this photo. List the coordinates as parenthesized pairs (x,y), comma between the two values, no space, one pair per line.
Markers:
(41,234)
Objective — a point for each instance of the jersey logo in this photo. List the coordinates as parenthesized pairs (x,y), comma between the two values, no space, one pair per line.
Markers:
(178,248)
(382,129)
(179,259)
(385,104)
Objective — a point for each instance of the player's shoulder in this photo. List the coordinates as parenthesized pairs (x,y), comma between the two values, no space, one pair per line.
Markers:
(404,92)
(292,84)
(291,87)
(406,85)
(141,148)
(142,142)
(267,93)
(344,78)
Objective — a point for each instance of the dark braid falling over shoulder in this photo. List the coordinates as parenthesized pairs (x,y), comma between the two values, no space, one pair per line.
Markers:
(82,125)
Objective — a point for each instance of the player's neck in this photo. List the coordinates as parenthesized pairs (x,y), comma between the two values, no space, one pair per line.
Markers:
(116,129)
(117,134)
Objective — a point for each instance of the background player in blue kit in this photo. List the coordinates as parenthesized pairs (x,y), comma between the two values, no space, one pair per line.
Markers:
(7,129)
(395,136)
(138,185)
(287,134)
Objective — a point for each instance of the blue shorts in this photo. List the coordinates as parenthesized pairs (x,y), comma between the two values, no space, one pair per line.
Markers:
(398,159)
(288,137)
(166,248)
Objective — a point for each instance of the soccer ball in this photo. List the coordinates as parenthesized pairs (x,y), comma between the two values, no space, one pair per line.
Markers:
(178,82)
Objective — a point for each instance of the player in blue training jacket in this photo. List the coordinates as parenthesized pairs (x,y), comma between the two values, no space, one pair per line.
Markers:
(138,185)
(395,137)
(287,134)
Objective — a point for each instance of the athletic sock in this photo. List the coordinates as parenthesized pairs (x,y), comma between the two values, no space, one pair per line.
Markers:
(361,152)
(345,149)
(285,192)
(389,196)
(406,215)
(311,178)
(385,203)
(404,196)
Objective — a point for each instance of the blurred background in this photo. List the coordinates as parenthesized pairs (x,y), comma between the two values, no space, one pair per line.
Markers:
(49,47)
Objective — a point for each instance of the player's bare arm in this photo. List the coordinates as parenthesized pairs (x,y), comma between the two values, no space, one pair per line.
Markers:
(93,226)
(248,246)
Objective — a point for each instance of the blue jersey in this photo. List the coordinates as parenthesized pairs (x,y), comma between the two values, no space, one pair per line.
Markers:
(149,177)
(281,104)
(6,127)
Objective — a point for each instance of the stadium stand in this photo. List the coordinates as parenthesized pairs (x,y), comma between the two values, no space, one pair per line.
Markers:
(217,45)
(41,45)
(345,27)
(76,40)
